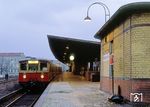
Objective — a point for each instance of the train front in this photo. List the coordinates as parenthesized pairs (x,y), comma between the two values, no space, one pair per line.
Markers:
(34,73)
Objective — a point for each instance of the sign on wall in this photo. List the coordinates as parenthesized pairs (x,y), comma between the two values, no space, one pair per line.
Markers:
(106,57)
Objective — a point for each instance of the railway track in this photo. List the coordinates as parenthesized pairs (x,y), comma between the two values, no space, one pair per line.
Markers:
(20,98)
(27,100)
(3,81)
(5,100)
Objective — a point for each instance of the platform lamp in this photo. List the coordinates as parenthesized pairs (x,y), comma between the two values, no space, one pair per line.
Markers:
(106,9)
(71,57)
(72,65)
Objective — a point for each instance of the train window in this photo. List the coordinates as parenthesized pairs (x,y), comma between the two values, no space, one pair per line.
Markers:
(23,66)
(43,66)
(33,67)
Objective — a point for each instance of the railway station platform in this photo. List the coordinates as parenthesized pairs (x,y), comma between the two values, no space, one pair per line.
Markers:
(74,91)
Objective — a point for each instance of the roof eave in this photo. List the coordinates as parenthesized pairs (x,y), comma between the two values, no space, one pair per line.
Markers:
(125,12)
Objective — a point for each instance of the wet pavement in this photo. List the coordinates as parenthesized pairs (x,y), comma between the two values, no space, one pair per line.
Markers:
(75,91)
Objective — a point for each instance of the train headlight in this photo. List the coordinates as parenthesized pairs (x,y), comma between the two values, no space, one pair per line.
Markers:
(24,76)
(42,76)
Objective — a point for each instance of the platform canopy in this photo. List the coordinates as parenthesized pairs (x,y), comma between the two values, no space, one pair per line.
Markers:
(84,51)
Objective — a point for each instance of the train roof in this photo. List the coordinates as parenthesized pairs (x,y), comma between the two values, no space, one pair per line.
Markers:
(34,59)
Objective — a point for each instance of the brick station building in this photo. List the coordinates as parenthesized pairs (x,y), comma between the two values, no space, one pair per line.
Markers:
(125,51)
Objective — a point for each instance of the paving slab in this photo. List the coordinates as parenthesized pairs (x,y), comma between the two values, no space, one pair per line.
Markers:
(58,94)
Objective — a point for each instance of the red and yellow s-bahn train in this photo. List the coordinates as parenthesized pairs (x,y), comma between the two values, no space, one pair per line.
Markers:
(37,72)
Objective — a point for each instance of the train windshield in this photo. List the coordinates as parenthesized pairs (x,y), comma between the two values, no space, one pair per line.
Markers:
(32,67)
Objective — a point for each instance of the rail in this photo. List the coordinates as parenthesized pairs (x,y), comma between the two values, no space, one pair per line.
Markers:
(5,99)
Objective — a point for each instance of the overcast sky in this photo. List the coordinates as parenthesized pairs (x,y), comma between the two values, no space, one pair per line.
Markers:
(25,24)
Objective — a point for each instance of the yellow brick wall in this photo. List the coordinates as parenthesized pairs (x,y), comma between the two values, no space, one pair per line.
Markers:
(102,42)
(118,30)
(110,36)
(127,23)
(140,18)
(131,48)
(127,54)
(140,46)
(117,38)
(118,56)
(105,60)
(106,48)
(141,52)
(105,69)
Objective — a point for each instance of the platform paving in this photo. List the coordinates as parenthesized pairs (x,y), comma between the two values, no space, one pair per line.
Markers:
(74,91)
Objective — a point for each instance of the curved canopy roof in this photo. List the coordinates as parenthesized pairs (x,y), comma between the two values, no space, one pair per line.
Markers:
(122,14)
(84,51)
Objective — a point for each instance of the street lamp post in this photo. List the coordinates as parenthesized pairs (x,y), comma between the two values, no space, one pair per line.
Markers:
(107,14)
(106,9)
